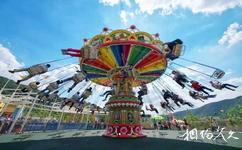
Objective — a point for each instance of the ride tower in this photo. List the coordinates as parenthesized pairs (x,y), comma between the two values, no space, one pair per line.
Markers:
(124,59)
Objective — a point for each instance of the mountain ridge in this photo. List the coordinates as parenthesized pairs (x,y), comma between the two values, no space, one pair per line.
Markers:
(213,109)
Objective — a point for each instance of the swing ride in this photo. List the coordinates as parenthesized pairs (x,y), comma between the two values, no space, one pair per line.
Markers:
(122,60)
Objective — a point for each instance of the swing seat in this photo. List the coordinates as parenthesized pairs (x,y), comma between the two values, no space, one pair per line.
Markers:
(86,94)
(174,53)
(33,85)
(52,86)
(90,52)
(177,50)
(78,77)
(23,77)
(218,74)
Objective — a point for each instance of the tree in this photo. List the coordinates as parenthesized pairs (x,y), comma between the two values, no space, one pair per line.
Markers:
(235,114)
(191,117)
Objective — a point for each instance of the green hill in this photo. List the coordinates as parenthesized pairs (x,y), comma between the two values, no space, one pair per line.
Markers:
(213,109)
(10,85)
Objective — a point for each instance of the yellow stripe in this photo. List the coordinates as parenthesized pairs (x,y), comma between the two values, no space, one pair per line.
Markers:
(107,56)
(157,65)
(100,80)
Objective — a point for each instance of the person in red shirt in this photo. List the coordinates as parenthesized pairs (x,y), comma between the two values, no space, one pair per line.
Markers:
(199,87)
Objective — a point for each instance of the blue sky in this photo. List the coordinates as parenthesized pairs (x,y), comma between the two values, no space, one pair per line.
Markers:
(43,28)
(35,31)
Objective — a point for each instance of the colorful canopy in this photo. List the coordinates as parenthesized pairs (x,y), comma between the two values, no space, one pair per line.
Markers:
(144,61)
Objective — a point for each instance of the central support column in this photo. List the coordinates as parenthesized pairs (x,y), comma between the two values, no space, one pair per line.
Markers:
(124,111)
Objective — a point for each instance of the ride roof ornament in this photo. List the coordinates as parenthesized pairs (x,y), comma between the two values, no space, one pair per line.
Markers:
(157,35)
(85,40)
(132,27)
(105,29)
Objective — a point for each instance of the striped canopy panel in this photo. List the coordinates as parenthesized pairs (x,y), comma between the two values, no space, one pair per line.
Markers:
(147,63)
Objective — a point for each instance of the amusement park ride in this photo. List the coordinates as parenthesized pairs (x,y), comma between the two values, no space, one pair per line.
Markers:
(123,60)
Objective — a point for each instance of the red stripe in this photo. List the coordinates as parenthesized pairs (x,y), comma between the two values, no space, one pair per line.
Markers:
(126,49)
(152,57)
(97,63)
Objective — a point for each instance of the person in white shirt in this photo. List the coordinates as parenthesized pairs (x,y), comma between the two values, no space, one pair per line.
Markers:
(218,85)
(51,87)
(200,96)
(30,87)
(76,78)
(47,99)
(74,99)
(32,71)
(85,94)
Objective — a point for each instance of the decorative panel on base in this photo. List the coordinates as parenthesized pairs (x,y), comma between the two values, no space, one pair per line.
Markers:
(124,117)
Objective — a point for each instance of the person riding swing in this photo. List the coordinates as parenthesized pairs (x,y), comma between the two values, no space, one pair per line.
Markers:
(152,108)
(218,85)
(76,78)
(180,78)
(143,91)
(32,71)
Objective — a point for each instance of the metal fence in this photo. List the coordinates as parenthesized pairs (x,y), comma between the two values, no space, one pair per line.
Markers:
(49,126)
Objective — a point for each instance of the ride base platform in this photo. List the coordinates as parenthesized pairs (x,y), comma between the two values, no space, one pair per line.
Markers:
(93,140)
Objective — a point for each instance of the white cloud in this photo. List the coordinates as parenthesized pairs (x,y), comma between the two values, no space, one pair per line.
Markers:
(115,2)
(150,6)
(232,35)
(168,7)
(165,7)
(200,6)
(109,2)
(235,80)
(127,2)
(124,15)
(8,61)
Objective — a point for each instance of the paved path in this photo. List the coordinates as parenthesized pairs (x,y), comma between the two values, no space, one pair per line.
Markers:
(154,134)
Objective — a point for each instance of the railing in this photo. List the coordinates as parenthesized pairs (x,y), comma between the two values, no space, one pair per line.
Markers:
(50,126)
